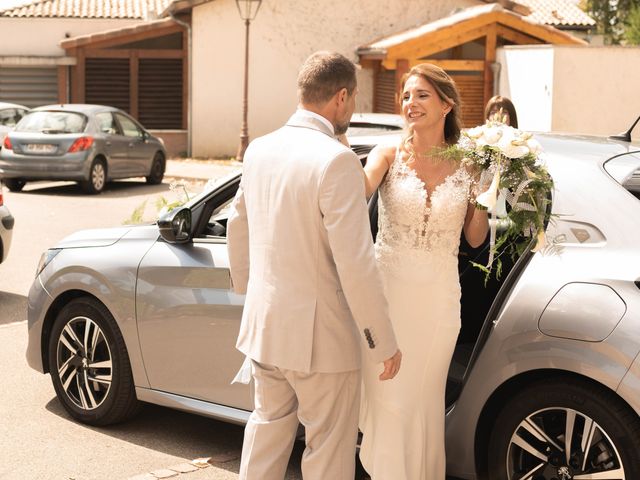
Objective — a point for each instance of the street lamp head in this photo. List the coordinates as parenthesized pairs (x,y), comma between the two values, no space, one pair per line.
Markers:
(248,9)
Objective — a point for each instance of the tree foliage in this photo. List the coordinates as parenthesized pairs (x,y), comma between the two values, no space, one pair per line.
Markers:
(612,17)
(632,29)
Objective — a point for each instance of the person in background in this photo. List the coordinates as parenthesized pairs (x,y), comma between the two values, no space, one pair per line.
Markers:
(501,109)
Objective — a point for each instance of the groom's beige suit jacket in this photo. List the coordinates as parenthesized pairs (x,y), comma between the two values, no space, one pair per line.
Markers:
(300,247)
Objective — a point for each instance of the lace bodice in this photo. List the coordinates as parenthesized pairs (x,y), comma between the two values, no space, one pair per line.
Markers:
(419,229)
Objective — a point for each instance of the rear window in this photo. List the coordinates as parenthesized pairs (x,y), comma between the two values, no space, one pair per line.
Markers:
(625,170)
(52,122)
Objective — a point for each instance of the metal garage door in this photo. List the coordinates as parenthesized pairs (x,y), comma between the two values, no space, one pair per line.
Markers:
(32,87)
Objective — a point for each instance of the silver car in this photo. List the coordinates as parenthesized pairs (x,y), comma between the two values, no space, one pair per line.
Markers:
(545,380)
(91,144)
(6,228)
(10,115)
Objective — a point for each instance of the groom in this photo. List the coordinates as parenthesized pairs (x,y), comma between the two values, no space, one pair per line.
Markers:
(300,248)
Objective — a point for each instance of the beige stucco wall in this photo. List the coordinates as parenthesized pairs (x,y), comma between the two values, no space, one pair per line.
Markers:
(597,89)
(284,33)
(593,90)
(41,36)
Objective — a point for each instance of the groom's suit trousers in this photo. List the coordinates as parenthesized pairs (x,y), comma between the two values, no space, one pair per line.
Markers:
(327,405)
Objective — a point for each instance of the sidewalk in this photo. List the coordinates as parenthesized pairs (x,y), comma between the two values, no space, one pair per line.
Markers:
(199,170)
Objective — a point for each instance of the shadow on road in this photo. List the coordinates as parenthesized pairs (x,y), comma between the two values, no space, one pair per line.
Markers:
(13,308)
(124,188)
(172,432)
(180,434)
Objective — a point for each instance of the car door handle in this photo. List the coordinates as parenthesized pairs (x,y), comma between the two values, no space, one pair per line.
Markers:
(131,145)
(108,144)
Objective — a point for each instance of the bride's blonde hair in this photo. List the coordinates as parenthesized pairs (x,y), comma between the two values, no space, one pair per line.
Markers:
(446,89)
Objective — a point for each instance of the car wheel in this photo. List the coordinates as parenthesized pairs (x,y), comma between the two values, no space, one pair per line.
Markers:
(14,184)
(157,170)
(89,364)
(97,177)
(564,430)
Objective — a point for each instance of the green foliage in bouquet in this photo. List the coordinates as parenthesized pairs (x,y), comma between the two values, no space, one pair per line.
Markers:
(519,195)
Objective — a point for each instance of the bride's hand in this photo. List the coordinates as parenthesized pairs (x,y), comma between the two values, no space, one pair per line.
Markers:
(391,366)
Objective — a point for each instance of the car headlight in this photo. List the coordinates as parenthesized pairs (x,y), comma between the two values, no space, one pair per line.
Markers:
(46,258)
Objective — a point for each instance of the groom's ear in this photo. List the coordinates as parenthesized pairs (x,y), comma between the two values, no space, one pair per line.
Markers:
(342,96)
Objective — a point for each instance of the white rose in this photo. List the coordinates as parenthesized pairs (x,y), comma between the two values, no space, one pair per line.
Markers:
(511,146)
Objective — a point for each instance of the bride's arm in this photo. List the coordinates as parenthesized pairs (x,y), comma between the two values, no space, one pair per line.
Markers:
(378,162)
(476,226)
(476,223)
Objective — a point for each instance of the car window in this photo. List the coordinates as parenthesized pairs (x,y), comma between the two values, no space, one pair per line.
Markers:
(52,122)
(625,169)
(9,117)
(129,128)
(106,123)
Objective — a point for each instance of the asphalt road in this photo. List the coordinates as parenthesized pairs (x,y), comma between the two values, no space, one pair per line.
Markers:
(38,440)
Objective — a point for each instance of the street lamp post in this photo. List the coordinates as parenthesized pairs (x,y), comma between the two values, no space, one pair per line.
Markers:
(248,9)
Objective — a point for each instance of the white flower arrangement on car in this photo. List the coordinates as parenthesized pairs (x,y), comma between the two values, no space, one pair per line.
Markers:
(511,159)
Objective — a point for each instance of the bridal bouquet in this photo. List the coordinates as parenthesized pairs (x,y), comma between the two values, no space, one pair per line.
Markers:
(510,158)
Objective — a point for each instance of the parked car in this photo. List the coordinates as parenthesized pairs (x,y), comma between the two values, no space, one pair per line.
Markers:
(91,144)
(10,115)
(548,386)
(366,130)
(6,228)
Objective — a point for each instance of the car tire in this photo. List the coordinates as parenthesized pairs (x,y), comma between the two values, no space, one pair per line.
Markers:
(530,434)
(97,177)
(14,184)
(157,170)
(89,364)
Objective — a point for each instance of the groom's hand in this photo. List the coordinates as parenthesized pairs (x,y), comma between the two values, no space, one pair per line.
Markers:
(391,366)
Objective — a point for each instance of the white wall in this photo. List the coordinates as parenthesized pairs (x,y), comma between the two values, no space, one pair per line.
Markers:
(41,36)
(597,89)
(526,77)
(577,89)
(284,33)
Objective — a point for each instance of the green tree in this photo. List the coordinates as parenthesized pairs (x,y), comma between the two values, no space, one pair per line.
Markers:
(612,17)
(632,29)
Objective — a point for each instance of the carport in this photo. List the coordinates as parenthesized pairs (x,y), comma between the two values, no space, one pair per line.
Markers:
(141,69)
(463,44)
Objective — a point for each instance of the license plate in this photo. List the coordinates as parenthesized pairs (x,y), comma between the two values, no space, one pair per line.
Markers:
(40,148)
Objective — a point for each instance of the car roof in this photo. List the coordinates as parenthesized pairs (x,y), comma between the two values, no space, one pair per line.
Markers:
(584,148)
(77,107)
(12,105)
(390,119)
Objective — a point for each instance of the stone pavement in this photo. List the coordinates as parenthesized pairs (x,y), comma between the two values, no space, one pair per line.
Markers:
(194,170)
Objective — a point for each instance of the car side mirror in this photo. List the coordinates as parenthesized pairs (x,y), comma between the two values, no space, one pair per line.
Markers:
(175,226)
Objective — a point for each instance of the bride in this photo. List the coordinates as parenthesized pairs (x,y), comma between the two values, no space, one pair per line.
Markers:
(425,202)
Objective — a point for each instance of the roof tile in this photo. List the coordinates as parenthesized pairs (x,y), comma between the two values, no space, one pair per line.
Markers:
(122,9)
(559,13)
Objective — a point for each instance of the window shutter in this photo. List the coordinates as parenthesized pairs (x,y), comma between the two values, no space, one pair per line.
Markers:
(107,82)
(471,88)
(160,93)
(385,94)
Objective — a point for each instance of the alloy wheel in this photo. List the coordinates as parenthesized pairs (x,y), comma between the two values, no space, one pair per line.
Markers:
(84,363)
(562,444)
(98,176)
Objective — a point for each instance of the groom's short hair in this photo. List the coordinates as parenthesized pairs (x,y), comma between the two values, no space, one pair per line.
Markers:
(322,75)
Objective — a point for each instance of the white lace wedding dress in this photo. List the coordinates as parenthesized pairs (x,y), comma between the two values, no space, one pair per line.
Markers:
(402,420)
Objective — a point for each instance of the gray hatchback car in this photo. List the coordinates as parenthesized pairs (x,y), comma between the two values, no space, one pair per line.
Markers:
(544,383)
(91,144)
